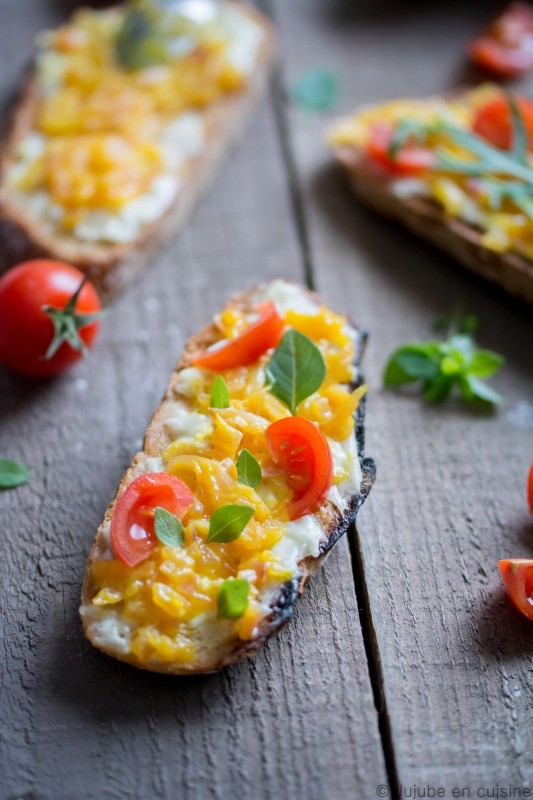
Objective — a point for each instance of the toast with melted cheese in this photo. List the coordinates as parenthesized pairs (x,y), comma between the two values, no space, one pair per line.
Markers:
(484,219)
(164,614)
(113,140)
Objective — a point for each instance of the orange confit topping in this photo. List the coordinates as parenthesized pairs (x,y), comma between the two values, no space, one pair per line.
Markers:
(101,121)
(164,595)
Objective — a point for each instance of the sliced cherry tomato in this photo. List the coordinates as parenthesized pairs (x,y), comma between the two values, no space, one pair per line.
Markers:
(263,334)
(530,488)
(47,317)
(517,576)
(493,121)
(505,48)
(410,159)
(132,524)
(302,450)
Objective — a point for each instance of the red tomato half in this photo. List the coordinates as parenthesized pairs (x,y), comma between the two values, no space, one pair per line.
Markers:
(517,576)
(505,48)
(411,159)
(27,331)
(132,524)
(530,488)
(263,334)
(493,121)
(302,450)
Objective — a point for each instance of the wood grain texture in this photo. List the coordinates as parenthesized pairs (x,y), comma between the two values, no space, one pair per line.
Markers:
(300,719)
(449,500)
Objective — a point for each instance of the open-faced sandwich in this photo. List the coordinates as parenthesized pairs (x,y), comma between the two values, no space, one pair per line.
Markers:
(252,468)
(458,171)
(120,126)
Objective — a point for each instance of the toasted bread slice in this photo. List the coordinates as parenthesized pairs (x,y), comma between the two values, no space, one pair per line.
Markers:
(216,642)
(113,266)
(392,197)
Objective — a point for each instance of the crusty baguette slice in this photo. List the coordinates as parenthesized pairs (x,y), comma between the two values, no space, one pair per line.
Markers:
(114,267)
(426,219)
(333,522)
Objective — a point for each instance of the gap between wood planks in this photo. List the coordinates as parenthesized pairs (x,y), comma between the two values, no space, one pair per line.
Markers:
(279,95)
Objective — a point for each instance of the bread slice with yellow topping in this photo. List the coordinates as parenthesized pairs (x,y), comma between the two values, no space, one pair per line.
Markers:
(456,170)
(120,127)
(252,468)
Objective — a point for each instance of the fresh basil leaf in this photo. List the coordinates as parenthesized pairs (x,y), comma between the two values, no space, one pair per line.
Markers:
(232,598)
(248,469)
(438,389)
(315,90)
(168,527)
(475,389)
(228,522)
(411,362)
(138,45)
(220,393)
(12,473)
(296,369)
(485,363)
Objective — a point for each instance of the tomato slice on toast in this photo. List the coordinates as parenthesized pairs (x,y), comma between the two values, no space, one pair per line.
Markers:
(302,450)
(246,348)
(132,524)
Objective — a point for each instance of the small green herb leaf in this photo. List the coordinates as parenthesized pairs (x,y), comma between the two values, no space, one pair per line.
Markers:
(219,394)
(232,598)
(168,528)
(315,90)
(248,469)
(228,522)
(137,45)
(12,473)
(296,369)
(411,362)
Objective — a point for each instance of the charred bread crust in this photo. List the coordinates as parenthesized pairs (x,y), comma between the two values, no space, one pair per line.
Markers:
(114,267)
(335,524)
(426,219)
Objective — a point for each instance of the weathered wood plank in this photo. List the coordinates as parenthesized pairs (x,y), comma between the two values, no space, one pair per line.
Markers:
(299,720)
(449,499)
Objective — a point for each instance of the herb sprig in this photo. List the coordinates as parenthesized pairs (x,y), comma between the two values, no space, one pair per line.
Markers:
(440,366)
(491,166)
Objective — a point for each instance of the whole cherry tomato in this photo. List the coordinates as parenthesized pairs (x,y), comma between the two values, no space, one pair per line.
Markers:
(49,317)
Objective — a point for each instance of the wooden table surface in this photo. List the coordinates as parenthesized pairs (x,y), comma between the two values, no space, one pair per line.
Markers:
(405,666)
